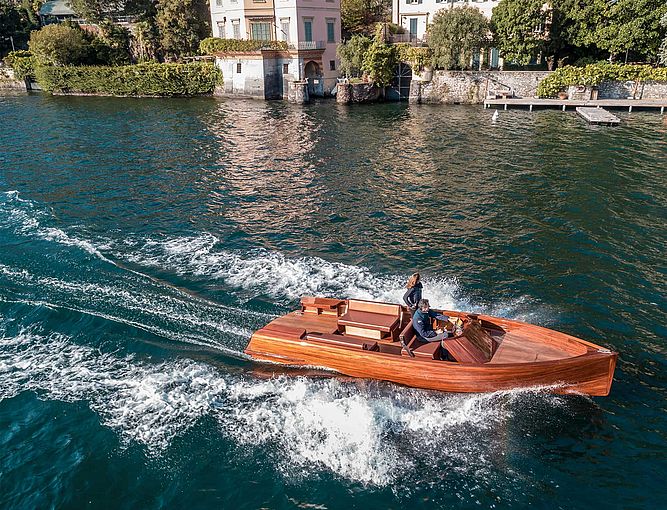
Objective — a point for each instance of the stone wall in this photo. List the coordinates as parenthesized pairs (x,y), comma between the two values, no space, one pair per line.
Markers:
(9,82)
(626,89)
(471,87)
(357,93)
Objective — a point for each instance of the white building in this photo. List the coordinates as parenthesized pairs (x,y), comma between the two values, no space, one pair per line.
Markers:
(311,28)
(416,15)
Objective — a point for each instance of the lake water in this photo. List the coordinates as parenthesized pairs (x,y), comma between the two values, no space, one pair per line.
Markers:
(143,240)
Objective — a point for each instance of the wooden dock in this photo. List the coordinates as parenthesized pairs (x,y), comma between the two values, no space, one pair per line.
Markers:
(563,104)
(598,116)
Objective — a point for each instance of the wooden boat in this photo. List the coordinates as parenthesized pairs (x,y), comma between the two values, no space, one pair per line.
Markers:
(376,340)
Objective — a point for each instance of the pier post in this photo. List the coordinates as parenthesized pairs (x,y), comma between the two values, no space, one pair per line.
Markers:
(662,110)
(505,108)
(531,107)
(563,107)
(630,109)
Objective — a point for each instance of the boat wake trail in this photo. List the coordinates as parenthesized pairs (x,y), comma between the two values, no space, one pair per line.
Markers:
(368,433)
(285,278)
(90,282)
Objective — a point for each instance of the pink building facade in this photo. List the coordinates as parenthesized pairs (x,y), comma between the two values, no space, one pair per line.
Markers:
(312,29)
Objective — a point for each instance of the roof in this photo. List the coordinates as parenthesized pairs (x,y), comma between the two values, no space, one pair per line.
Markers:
(56,8)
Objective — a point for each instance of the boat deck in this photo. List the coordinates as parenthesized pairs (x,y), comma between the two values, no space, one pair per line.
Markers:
(310,322)
(515,346)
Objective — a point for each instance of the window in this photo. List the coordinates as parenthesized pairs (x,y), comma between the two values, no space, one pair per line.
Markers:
(238,68)
(413,28)
(332,65)
(218,3)
(308,29)
(284,29)
(236,29)
(331,30)
(285,68)
(260,31)
(259,1)
(221,29)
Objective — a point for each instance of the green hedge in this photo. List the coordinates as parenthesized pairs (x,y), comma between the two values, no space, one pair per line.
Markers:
(212,45)
(594,74)
(151,79)
(22,62)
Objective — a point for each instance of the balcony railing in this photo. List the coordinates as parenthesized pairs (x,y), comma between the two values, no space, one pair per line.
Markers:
(411,39)
(309,45)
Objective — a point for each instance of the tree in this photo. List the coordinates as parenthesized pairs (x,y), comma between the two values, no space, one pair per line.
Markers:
(379,62)
(632,26)
(352,53)
(455,35)
(97,10)
(518,28)
(360,16)
(100,10)
(59,44)
(16,21)
(623,27)
(112,46)
(182,24)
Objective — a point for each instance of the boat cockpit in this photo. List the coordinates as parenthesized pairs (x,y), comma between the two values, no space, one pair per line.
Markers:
(387,328)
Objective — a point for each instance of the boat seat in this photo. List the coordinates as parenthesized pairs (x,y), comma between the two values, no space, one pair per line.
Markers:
(344,340)
(286,330)
(430,350)
(321,306)
(369,318)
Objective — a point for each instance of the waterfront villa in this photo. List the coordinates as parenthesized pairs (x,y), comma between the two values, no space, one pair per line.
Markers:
(311,29)
(415,15)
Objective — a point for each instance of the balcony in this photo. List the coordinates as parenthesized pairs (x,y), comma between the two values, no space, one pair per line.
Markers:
(410,39)
(309,45)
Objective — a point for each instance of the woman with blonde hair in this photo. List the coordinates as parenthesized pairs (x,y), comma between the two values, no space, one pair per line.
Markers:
(414,292)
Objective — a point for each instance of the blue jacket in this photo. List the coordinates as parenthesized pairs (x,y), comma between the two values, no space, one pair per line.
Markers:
(413,295)
(422,322)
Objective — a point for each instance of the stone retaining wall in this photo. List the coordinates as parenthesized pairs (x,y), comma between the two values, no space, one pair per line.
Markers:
(628,89)
(471,87)
(357,93)
(9,82)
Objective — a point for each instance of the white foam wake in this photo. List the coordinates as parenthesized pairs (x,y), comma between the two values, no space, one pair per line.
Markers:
(262,272)
(279,276)
(138,304)
(285,278)
(25,218)
(363,432)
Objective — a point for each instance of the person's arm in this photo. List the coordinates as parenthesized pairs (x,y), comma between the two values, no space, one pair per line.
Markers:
(420,327)
(436,315)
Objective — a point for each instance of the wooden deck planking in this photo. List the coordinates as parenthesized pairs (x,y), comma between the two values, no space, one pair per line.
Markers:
(310,322)
(628,104)
(598,116)
(518,348)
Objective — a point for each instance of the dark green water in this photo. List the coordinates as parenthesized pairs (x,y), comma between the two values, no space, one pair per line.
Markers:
(142,241)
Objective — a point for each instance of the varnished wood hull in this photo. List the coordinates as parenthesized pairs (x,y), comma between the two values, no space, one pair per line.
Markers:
(589,373)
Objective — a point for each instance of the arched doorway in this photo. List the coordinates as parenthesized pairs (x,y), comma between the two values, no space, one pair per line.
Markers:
(399,90)
(313,74)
